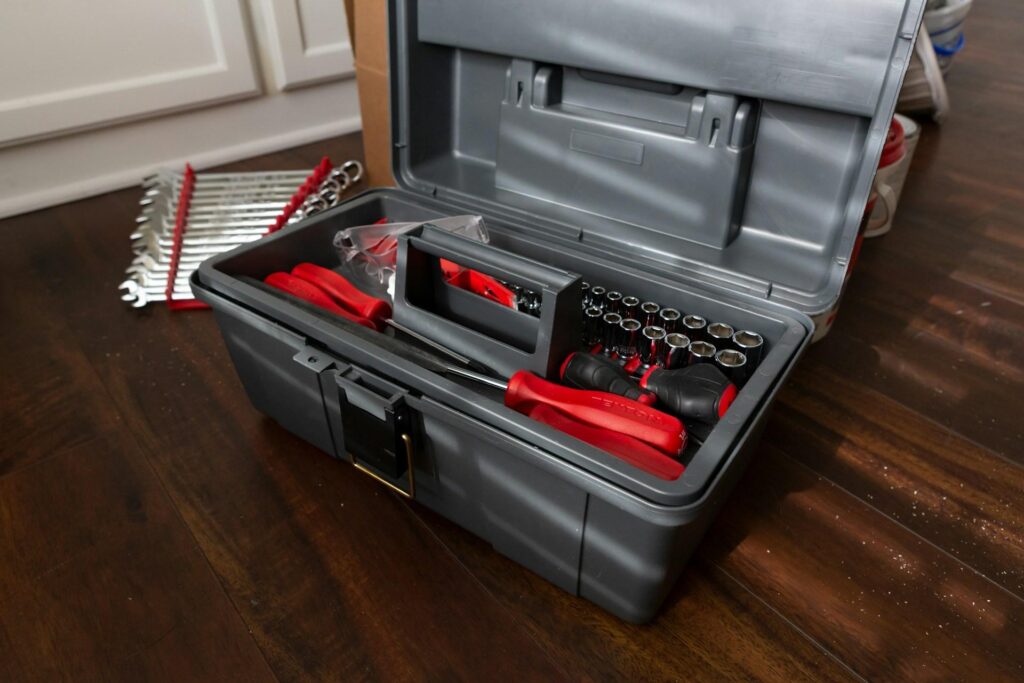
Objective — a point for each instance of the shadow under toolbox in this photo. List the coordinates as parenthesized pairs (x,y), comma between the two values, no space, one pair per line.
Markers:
(713,158)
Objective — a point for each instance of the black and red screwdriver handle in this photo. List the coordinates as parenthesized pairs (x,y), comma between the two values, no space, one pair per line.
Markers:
(699,392)
(599,373)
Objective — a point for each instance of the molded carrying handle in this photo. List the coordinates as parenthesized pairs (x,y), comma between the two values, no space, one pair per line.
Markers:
(501,338)
(491,261)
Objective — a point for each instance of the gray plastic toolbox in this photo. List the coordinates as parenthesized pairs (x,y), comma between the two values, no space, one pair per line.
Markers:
(711,156)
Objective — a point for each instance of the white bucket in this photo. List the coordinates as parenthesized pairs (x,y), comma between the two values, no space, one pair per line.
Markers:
(924,88)
(950,15)
(945,26)
(889,181)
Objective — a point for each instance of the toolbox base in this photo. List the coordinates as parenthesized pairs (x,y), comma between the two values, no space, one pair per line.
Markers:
(617,553)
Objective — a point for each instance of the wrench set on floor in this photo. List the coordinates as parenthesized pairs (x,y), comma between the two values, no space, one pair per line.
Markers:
(188,217)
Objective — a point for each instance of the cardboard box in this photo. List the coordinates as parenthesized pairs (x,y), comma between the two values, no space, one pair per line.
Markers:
(368,25)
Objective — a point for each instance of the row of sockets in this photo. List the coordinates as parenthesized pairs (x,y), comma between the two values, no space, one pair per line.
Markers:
(642,335)
(526,300)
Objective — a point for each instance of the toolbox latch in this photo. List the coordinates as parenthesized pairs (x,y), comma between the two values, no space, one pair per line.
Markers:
(377,430)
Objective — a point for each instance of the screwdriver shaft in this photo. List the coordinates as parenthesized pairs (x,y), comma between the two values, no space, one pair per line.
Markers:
(483,379)
(436,346)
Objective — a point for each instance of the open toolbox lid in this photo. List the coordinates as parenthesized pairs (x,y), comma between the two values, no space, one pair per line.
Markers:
(730,143)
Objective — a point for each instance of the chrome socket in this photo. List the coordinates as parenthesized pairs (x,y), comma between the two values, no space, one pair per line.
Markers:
(649,313)
(630,308)
(653,348)
(734,364)
(751,344)
(677,351)
(669,319)
(720,334)
(702,352)
(613,302)
(593,326)
(610,333)
(628,344)
(694,327)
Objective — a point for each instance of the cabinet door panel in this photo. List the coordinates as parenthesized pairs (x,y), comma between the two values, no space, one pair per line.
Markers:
(67,65)
(309,41)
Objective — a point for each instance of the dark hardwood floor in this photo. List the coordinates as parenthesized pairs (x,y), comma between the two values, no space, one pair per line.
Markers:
(154,526)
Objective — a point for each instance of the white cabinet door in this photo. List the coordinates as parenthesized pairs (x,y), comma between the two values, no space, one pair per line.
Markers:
(68,64)
(308,41)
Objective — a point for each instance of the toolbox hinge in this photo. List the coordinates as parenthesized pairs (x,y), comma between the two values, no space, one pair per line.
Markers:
(313,358)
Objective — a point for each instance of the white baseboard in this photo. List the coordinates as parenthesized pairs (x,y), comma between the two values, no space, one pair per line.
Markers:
(68,168)
(115,180)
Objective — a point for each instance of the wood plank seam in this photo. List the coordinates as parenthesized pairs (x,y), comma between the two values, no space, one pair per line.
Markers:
(939,425)
(133,438)
(476,579)
(958,561)
(782,617)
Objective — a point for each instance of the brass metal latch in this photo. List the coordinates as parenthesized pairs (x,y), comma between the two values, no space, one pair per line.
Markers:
(411,492)
(377,430)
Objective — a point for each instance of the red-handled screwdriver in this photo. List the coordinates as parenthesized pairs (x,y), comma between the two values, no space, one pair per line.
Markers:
(624,447)
(344,292)
(314,295)
(524,390)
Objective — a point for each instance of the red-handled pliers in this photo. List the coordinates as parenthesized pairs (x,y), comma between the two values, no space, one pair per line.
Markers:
(344,292)
(313,294)
(327,289)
